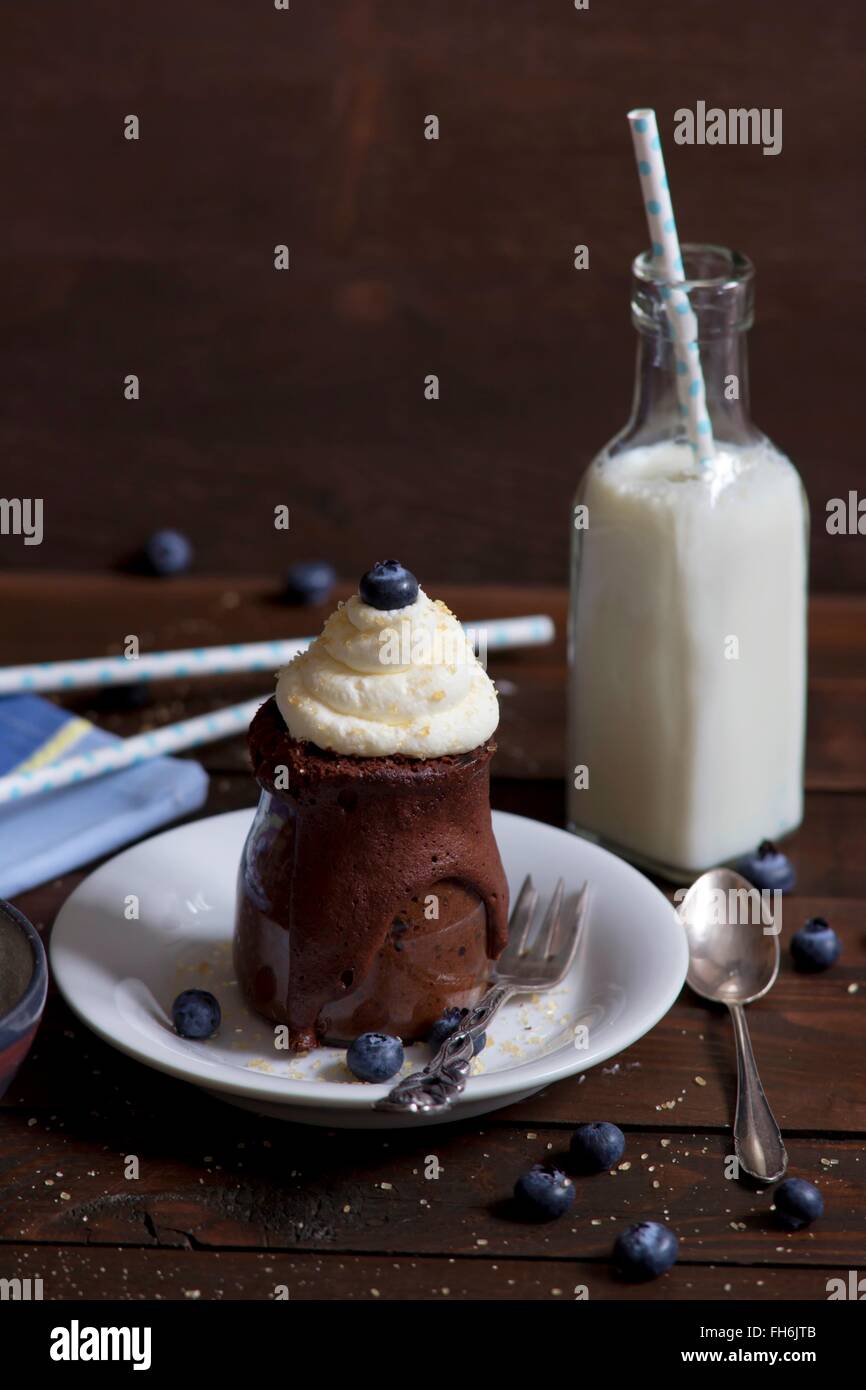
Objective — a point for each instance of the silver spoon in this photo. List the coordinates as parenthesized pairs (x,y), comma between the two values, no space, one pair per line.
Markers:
(734,960)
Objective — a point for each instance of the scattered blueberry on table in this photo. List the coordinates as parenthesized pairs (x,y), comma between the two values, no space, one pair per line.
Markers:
(310,581)
(815,946)
(544,1193)
(388,585)
(375,1057)
(645,1251)
(196,1014)
(768,868)
(597,1147)
(446,1025)
(797,1203)
(168,553)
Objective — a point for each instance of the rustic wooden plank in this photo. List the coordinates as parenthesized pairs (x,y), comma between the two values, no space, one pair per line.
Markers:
(195,610)
(828,848)
(212,1178)
(93,612)
(837,636)
(75,1273)
(836,740)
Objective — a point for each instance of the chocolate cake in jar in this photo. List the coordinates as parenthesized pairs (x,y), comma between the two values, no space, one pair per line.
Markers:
(371,895)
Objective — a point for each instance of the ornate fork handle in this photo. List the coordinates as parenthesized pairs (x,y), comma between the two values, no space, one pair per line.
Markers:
(438,1085)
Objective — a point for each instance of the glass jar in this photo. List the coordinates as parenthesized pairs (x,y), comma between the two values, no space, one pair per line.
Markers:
(687,622)
(361,905)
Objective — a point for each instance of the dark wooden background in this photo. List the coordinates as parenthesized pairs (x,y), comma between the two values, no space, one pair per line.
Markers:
(408,257)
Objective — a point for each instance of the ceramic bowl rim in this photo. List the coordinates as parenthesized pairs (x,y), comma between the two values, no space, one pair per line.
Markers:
(27,1009)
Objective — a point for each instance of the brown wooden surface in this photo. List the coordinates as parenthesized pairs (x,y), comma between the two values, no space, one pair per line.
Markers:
(229,1205)
(409,257)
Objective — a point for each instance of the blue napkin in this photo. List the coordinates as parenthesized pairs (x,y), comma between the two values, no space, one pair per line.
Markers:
(45,835)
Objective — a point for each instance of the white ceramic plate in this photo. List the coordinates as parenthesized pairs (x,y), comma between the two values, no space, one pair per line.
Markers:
(120,975)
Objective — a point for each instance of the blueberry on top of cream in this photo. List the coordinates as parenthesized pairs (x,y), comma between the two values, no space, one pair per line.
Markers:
(389,675)
(388,586)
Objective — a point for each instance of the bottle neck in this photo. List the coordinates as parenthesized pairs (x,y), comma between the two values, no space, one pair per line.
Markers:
(655,410)
(721,294)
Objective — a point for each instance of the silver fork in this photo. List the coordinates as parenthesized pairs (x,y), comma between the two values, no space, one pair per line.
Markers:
(532,961)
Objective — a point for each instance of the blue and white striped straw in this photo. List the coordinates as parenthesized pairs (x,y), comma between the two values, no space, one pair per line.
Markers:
(691,390)
(90,673)
(172,738)
(499,634)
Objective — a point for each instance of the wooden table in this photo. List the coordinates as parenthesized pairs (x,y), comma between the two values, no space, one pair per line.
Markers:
(228,1205)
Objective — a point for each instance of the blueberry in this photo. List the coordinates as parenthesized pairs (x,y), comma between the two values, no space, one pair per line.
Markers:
(769,868)
(597,1147)
(388,585)
(375,1057)
(168,552)
(196,1014)
(797,1203)
(645,1251)
(446,1025)
(544,1193)
(815,946)
(309,582)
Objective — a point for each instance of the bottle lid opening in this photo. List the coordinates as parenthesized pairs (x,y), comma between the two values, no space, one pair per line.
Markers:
(720,284)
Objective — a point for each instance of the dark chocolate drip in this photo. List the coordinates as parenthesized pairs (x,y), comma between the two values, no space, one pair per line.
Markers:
(369,834)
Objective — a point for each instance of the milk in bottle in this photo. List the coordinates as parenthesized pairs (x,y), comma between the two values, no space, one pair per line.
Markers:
(687,627)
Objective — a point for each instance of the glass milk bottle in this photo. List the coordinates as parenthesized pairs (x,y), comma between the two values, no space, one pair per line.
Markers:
(687,624)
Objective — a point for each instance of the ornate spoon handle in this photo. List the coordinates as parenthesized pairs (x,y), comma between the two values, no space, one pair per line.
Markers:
(758,1142)
(438,1085)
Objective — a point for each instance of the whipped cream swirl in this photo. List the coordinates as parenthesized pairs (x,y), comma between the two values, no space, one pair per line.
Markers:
(376,683)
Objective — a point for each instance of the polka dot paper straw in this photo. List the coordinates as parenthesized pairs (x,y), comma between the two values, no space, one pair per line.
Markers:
(92,672)
(691,391)
(536,629)
(173,738)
